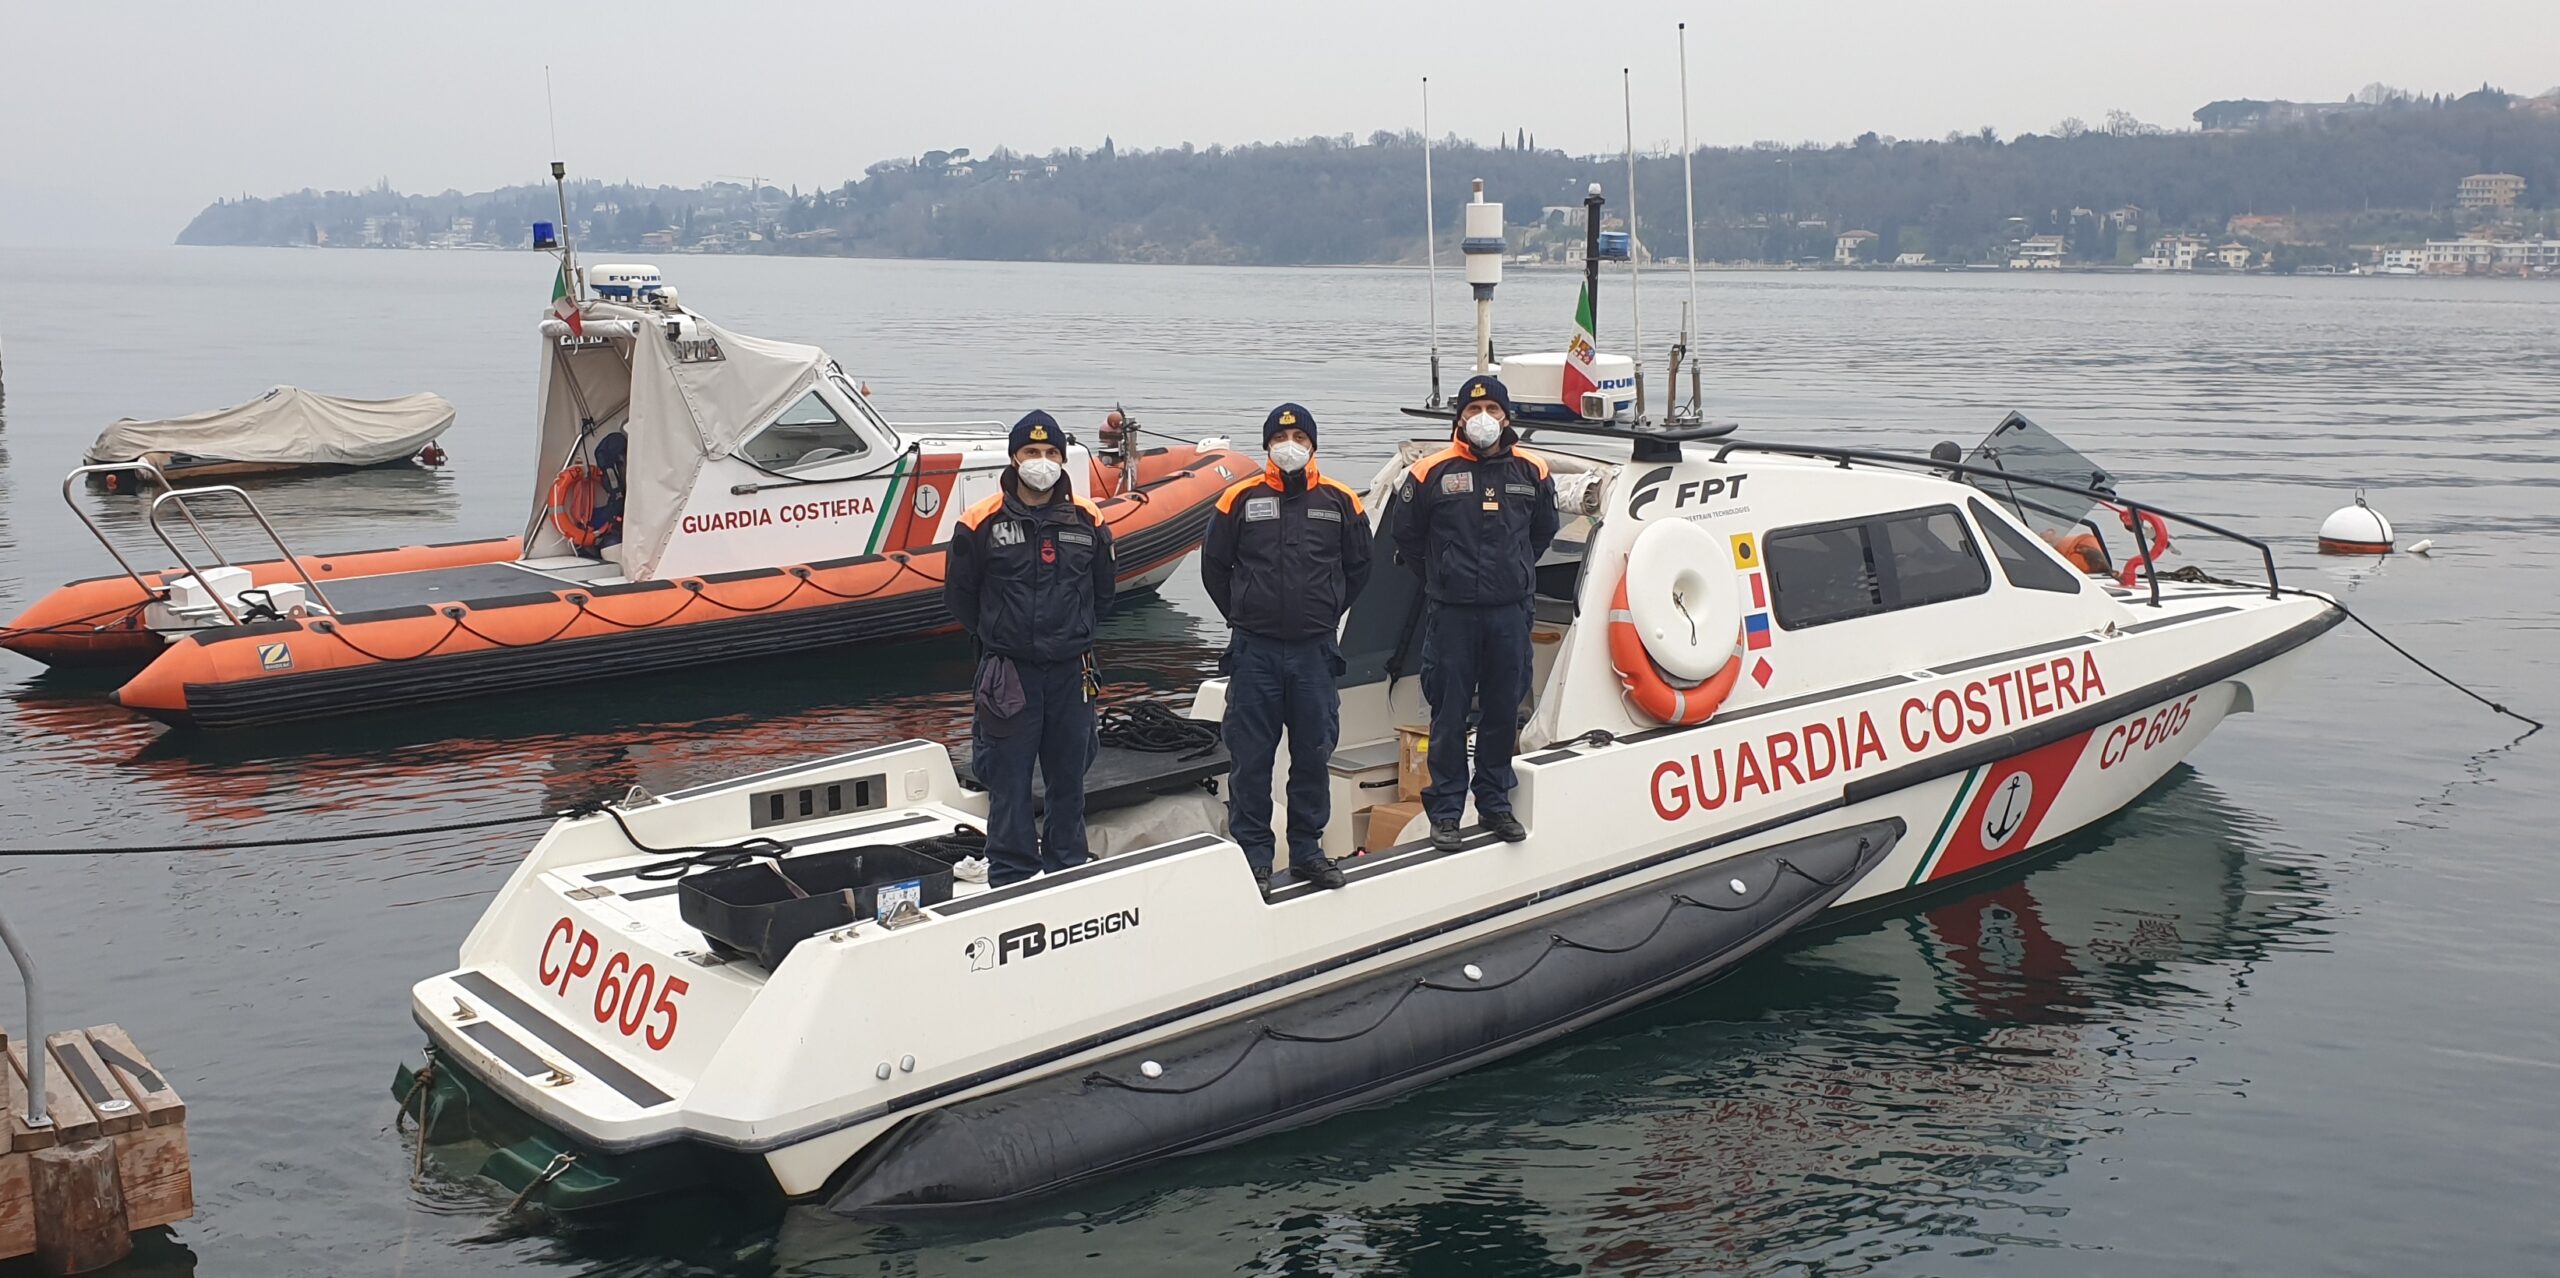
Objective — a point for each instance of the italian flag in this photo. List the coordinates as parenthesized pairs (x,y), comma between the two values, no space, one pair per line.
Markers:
(1578,355)
(566,307)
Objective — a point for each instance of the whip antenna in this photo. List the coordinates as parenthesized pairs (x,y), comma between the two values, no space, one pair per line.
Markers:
(1430,244)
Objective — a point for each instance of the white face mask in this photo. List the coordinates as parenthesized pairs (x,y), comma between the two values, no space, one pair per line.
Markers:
(1483,430)
(1291,457)
(1039,474)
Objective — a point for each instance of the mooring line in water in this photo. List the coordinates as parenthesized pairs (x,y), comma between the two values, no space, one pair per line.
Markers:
(306,840)
(2448,680)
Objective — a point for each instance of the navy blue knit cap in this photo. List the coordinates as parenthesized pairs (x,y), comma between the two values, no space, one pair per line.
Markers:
(1289,417)
(1036,427)
(1482,387)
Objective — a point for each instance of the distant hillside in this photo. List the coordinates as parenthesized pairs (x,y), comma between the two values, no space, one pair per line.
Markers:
(2387,168)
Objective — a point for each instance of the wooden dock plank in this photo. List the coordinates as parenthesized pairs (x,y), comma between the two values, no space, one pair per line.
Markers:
(17,1203)
(72,1120)
(8,1106)
(88,1075)
(159,1187)
(140,1079)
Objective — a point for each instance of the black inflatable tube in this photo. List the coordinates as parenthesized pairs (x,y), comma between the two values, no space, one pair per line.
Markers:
(1359,1043)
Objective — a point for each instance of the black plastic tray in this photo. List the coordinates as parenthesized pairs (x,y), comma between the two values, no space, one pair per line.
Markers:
(752,910)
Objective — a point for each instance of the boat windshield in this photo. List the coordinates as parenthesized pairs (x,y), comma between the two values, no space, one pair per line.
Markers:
(2021,447)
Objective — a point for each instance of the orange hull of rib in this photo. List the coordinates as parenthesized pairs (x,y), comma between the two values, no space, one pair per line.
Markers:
(99,621)
(316,666)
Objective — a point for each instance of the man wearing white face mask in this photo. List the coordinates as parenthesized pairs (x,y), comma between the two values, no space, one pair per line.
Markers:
(1285,554)
(1473,519)
(1029,574)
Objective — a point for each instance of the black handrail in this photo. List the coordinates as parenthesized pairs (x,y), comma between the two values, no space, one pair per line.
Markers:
(2134,509)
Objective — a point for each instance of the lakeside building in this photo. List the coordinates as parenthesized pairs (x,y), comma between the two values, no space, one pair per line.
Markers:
(2471,255)
(2490,191)
(2235,256)
(1851,246)
(2403,259)
(2174,253)
(2039,253)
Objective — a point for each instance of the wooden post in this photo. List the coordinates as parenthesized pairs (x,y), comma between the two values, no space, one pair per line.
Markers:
(79,1208)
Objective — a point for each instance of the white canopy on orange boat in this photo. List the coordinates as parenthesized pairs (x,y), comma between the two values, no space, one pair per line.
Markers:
(287,425)
(679,395)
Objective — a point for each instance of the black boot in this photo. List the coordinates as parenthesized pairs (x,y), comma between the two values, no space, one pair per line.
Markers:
(1262,884)
(1323,875)
(1444,836)
(1507,827)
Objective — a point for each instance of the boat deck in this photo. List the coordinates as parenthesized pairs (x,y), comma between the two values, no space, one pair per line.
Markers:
(466,582)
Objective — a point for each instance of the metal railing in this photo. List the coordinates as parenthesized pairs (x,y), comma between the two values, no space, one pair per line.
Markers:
(283,551)
(37,1052)
(2133,509)
(152,472)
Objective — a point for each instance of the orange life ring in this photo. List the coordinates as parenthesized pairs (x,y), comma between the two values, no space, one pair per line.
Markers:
(2084,551)
(1648,687)
(575,493)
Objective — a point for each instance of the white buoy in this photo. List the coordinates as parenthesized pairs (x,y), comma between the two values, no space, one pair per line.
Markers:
(2423,547)
(2355,530)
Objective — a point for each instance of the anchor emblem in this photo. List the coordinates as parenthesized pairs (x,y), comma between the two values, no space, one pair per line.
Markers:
(2007,810)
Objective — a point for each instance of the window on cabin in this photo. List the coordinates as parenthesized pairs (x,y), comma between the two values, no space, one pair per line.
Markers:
(1858,568)
(806,434)
(2027,565)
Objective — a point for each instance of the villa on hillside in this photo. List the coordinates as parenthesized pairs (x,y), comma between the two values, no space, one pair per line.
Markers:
(1851,246)
(2490,191)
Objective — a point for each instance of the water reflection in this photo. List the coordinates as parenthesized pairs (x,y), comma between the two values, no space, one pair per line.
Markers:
(1922,1082)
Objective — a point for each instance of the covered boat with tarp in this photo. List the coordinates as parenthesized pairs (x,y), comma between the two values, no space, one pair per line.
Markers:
(284,431)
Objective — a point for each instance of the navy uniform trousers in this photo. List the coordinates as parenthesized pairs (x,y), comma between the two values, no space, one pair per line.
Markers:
(1274,684)
(1055,729)
(1474,660)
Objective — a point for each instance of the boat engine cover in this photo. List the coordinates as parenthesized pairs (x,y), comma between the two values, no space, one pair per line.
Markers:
(1361,1042)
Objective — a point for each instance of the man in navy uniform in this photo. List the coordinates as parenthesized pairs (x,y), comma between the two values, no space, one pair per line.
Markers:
(1029,575)
(1475,518)
(1286,553)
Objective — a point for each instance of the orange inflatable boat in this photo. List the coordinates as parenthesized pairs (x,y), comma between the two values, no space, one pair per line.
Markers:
(702,497)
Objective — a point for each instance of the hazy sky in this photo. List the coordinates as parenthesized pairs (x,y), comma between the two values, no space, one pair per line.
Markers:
(119,120)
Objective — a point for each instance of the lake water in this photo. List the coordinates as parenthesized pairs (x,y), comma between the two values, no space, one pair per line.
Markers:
(2295,1012)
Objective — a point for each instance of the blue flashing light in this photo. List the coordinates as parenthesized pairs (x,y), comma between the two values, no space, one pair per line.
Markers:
(546,236)
(1615,246)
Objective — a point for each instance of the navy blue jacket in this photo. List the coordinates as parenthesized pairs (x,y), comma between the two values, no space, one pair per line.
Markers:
(1030,582)
(1474,527)
(1286,554)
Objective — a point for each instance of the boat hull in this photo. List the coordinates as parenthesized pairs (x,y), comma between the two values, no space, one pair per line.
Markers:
(416,654)
(1356,1044)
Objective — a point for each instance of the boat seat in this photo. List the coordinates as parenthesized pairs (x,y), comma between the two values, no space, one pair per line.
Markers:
(1122,777)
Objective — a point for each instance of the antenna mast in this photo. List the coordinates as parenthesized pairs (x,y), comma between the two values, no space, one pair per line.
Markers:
(1635,242)
(1430,244)
(560,186)
(1689,181)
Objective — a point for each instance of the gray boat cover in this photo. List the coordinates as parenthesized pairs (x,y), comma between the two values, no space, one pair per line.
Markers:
(287,425)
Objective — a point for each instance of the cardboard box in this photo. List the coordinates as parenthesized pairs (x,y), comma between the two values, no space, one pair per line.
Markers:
(1385,822)
(1413,761)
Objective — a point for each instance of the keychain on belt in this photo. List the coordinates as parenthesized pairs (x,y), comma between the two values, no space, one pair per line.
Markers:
(1092,679)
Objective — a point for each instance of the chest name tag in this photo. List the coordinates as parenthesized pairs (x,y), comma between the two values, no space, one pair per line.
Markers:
(1079,538)
(1458,481)
(1324,512)
(1525,490)
(1257,509)
(1006,533)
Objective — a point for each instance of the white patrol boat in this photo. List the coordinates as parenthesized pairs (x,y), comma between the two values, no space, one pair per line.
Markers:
(1773,683)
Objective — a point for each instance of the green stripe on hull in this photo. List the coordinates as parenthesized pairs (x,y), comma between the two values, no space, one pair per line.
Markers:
(1946,824)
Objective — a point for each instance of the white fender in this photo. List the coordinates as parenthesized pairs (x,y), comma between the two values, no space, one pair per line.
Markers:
(1681,596)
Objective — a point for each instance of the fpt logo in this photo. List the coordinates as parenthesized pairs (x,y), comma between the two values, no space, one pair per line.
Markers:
(1688,492)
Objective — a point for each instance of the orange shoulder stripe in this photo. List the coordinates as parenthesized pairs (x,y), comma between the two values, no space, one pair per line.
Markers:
(1088,508)
(1227,499)
(1422,469)
(1533,459)
(1343,488)
(977,514)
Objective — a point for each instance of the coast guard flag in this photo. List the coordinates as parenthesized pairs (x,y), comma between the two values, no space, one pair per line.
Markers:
(1578,355)
(562,306)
